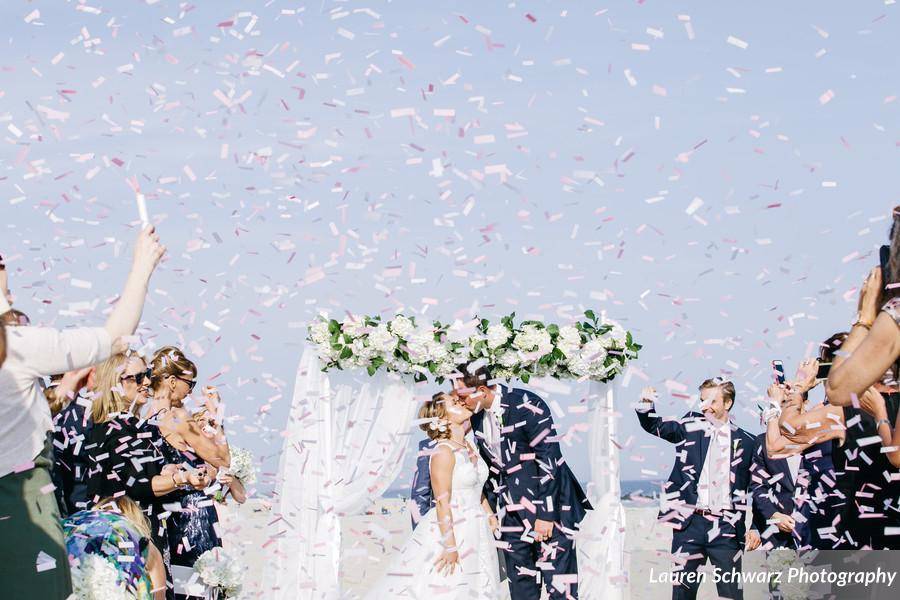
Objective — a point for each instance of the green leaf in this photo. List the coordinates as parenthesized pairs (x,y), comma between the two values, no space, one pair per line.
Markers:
(590,315)
(371,369)
(524,377)
(346,353)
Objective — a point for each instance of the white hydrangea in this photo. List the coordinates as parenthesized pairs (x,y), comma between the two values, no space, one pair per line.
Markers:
(382,340)
(318,332)
(362,354)
(615,338)
(402,327)
(353,325)
(569,341)
(534,341)
(497,335)
(220,569)
(508,359)
(422,348)
(95,578)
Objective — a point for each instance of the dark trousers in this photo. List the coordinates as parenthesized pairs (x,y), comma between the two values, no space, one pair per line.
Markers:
(532,565)
(693,540)
(29,528)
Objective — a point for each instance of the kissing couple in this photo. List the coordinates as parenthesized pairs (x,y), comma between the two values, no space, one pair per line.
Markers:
(515,494)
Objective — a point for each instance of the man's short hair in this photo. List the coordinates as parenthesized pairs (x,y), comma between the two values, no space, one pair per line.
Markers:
(726,386)
(474,376)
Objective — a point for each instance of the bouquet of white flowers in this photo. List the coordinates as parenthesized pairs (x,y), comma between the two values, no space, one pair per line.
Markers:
(95,578)
(242,465)
(588,349)
(781,560)
(219,570)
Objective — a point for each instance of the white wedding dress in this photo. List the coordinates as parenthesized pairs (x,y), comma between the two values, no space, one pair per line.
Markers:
(412,574)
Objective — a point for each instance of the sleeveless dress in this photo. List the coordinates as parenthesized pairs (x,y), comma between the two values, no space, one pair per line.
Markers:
(412,574)
(112,537)
(191,530)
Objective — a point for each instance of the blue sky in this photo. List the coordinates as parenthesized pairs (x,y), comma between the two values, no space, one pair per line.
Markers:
(715,175)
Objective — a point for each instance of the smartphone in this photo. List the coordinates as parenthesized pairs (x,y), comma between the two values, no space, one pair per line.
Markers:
(778,368)
(884,257)
(824,369)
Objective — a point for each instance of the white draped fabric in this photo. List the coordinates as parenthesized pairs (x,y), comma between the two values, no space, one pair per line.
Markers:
(601,541)
(343,447)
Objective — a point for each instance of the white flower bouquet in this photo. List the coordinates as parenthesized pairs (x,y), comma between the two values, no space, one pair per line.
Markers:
(242,465)
(221,571)
(96,578)
(588,349)
(781,560)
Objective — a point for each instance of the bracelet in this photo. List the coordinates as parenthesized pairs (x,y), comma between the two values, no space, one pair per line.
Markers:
(867,326)
(880,421)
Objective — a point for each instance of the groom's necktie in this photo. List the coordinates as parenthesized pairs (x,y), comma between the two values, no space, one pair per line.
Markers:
(497,426)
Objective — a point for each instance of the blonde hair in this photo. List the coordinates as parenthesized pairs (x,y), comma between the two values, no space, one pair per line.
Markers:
(108,398)
(170,361)
(435,410)
(129,509)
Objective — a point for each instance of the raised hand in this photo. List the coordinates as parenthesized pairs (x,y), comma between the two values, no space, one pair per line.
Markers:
(147,251)
(649,395)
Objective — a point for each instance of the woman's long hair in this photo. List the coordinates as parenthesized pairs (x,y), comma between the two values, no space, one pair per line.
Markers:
(891,279)
(170,361)
(129,509)
(108,397)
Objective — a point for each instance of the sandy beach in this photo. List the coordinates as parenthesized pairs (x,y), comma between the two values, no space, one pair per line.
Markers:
(368,540)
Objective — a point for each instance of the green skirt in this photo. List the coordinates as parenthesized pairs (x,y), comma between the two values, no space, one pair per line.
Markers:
(30,525)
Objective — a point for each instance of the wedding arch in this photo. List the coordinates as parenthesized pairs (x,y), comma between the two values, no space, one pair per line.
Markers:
(345,444)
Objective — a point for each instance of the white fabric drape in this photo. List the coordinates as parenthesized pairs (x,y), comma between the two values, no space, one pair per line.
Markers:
(601,541)
(343,447)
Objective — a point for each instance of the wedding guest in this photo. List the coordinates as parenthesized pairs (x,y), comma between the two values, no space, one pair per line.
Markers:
(35,566)
(124,452)
(867,501)
(421,497)
(212,429)
(69,397)
(792,486)
(708,488)
(117,531)
(192,529)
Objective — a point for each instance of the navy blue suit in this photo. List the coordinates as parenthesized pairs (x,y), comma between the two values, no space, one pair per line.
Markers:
(532,481)
(691,530)
(420,490)
(71,429)
(775,490)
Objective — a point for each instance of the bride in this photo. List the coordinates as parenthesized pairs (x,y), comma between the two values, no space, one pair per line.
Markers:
(452,553)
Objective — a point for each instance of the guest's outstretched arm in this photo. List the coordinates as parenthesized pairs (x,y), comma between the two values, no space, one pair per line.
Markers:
(873,402)
(126,314)
(870,349)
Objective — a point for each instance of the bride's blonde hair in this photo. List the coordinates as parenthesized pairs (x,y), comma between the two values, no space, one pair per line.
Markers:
(435,410)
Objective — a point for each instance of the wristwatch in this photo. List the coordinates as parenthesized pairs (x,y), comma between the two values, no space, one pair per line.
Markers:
(880,421)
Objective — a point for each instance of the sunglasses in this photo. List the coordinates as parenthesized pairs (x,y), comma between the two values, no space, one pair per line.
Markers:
(139,378)
(191,382)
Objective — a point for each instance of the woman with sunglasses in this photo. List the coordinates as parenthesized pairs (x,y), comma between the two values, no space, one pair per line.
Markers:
(173,378)
(125,454)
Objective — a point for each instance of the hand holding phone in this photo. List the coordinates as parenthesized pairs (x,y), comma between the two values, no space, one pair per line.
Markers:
(778,368)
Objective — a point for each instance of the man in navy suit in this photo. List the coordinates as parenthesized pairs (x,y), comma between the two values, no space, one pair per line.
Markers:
(533,491)
(420,490)
(707,496)
(780,502)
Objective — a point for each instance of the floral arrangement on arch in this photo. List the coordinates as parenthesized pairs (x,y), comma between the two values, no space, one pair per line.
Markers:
(592,349)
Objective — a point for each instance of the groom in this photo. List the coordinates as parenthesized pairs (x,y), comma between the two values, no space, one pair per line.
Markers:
(535,494)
